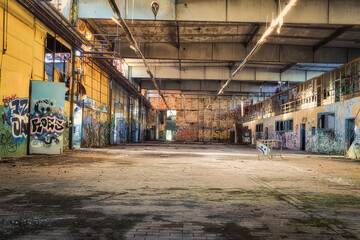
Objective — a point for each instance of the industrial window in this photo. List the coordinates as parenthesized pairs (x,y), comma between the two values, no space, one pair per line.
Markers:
(259,127)
(313,131)
(284,125)
(57,62)
(326,121)
(291,125)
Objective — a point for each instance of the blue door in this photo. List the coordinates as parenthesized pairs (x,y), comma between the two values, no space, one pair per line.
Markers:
(302,136)
(47,117)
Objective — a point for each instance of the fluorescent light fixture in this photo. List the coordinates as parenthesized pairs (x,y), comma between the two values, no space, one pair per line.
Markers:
(133,47)
(277,22)
(77,53)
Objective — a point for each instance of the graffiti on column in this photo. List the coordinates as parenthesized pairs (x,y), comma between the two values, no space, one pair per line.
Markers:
(121,130)
(47,123)
(104,133)
(134,130)
(87,131)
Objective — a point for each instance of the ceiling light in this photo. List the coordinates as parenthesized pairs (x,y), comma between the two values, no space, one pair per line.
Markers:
(88,36)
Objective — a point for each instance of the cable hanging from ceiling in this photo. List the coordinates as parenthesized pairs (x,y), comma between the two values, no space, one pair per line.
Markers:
(275,23)
(133,44)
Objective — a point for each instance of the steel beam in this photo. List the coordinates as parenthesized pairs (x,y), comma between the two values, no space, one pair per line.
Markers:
(237,52)
(213,86)
(221,74)
(333,36)
(254,11)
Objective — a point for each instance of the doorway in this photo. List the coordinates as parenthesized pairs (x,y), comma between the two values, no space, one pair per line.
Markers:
(302,136)
(170,124)
(77,126)
(349,132)
(266,133)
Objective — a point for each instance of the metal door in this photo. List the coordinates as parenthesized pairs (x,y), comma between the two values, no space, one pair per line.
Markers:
(266,133)
(302,136)
(349,132)
(47,117)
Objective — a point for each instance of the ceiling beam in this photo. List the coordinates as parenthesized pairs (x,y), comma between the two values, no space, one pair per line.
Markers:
(222,73)
(211,87)
(332,37)
(253,35)
(237,52)
(287,67)
(308,12)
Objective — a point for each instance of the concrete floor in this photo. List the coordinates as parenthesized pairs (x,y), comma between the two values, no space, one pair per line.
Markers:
(179,191)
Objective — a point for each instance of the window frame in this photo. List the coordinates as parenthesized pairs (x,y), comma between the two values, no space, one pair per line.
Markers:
(284,125)
(259,128)
(326,115)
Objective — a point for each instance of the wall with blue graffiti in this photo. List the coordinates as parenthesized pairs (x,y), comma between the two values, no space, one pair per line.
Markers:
(14,126)
(47,121)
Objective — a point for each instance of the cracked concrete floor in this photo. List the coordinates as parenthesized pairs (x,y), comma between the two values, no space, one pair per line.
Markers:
(179,191)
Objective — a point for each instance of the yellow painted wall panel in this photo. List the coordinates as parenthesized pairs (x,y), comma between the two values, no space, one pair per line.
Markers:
(96,85)
(96,75)
(39,51)
(96,96)
(19,30)
(38,70)
(104,89)
(40,34)
(14,83)
(18,49)
(88,91)
(15,65)
(21,13)
(104,99)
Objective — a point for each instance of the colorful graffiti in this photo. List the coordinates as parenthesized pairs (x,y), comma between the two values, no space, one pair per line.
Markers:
(206,135)
(47,123)
(104,134)
(18,118)
(134,130)
(7,99)
(14,125)
(7,142)
(95,129)
(87,129)
(121,130)
(185,134)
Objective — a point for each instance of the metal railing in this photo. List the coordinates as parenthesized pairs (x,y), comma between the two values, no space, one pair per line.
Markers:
(254,112)
(267,147)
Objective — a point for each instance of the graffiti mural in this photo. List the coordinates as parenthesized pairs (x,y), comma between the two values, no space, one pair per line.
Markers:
(185,134)
(206,135)
(18,118)
(14,125)
(87,128)
(7,143)
(134,130)
(7,99)
(104,130)
(121,130)
(47,121)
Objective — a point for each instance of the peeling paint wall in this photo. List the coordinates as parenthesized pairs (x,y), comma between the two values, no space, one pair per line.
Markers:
(195,122)
(343,102)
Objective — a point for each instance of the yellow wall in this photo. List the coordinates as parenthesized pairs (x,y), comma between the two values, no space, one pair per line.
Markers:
(22,61)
